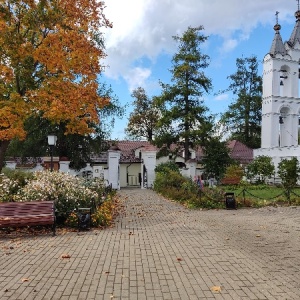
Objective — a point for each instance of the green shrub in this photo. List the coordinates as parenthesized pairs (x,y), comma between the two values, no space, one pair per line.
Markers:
(67,191)
(184,190)
(208,198)
(204,203)
(178,188)
(172,179)
(103,215)
(11,181)
(21,177)
(179,195)
(233,173)
(8,188)
(260,168)
(167,167)
(72,220)
(288,171)
(190,186)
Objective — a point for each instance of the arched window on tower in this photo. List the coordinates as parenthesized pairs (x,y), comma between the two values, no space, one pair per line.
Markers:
(284,127)
(281,122)
(283,75)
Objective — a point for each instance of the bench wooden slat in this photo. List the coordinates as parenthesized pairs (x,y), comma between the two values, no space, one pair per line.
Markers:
(233,181)
(25,213)
(21,214)
(41,218)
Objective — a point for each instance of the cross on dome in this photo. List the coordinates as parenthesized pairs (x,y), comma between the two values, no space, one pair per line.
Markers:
(277,13)
(277,27)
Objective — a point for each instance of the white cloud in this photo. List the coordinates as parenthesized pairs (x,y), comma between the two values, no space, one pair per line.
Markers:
(136,77)
(229,45)
(222,97)
(144,28)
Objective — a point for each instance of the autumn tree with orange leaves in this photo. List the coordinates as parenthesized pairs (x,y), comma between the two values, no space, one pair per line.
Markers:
(50,52)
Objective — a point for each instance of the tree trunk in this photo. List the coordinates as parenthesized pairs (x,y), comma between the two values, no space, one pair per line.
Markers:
(3,147)
(186,150)
(187,108)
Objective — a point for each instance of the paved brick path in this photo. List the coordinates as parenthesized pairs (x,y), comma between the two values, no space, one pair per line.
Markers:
(160,250)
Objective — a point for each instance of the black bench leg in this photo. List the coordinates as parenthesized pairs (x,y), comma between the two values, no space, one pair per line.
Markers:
(54,229)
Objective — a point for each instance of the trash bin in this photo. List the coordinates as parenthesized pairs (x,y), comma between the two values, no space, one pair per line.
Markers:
(230,201)
(84,218)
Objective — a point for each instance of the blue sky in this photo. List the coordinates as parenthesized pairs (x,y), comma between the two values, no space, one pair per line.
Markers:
(140,45)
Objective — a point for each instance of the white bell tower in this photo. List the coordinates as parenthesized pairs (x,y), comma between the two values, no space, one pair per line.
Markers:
(280,100)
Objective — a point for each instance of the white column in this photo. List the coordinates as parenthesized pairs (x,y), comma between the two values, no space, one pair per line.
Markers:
(114,168)
(64,166)
(149,158)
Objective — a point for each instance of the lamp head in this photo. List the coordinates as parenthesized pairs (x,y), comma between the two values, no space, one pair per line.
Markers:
(52,139)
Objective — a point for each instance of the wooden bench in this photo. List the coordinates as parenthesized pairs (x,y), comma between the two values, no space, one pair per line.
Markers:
(22,214)
(230,181)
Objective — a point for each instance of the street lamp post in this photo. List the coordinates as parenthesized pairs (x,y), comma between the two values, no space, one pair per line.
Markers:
(51,142)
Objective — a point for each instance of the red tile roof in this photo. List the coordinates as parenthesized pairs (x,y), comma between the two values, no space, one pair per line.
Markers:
(240,152)
(128,148)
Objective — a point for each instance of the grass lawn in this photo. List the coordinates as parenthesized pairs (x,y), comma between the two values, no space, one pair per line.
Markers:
(261,195)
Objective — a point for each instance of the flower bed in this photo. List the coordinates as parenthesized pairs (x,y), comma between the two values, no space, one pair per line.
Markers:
(68,192)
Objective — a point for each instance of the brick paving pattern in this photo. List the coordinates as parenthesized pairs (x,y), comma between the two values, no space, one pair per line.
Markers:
(159,250)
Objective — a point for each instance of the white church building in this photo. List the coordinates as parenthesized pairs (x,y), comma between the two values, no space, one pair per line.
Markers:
(280,99)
